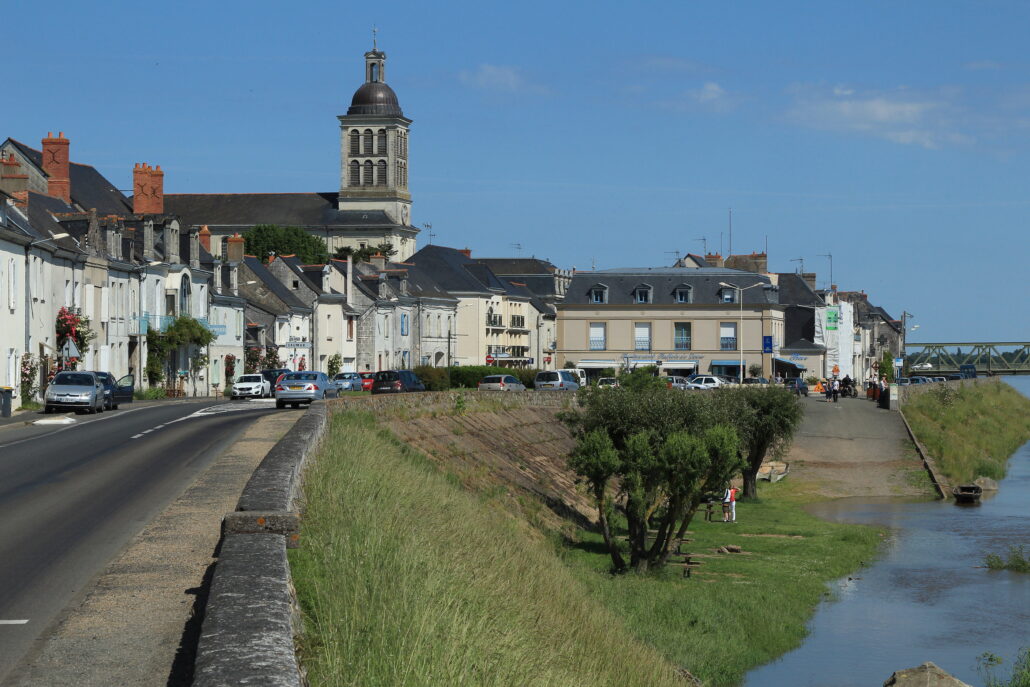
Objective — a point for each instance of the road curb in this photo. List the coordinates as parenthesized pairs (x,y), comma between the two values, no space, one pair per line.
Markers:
(251,617)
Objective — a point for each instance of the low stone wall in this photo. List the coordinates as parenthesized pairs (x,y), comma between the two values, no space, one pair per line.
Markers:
(913,390)
(448,399)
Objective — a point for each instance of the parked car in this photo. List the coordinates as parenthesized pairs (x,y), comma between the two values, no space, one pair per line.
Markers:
(396,382)
(903,381)
(940,379)
(251,386)
(955,377)
(116,391)
(500,383)
(968,370)
(562,380)
(675,382)
(296,388)
(798,385)
(348,381)
(78,391)
(757,381)
(607,383)
(706,382)
(273,375)
(367,380)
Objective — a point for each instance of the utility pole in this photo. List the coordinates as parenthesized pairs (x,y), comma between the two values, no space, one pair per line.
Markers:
(729,248)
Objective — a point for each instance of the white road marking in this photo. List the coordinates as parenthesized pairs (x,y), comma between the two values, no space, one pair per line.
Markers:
(56,421)
(219,409)
(14,622)
(135,436)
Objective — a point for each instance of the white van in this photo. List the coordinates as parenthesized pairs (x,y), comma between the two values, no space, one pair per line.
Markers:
(562,380)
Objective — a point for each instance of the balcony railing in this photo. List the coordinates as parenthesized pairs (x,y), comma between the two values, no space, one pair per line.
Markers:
(138,325)
(597,344)
(494,321)
(728,343)
(518,322)
(682,343)
(643,344)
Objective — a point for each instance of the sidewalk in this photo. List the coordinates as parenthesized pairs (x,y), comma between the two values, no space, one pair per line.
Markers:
(853,448)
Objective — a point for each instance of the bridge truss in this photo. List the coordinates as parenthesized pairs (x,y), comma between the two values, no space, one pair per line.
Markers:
(1000,358)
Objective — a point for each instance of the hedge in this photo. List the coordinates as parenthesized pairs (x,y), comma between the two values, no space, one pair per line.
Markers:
(443,378)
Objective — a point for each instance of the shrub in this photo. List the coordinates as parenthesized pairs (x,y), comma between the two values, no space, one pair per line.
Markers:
(1017,560)
(435,378)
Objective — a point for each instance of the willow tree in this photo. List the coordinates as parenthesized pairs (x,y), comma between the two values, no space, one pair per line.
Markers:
(656,453)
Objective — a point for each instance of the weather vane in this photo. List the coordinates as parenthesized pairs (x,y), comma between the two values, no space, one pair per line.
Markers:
(375,45)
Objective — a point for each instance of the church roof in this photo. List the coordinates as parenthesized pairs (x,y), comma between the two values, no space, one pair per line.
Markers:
(284,209)
(375,98)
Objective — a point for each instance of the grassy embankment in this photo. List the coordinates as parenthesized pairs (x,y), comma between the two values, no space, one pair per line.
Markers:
(971,431)
(407,578)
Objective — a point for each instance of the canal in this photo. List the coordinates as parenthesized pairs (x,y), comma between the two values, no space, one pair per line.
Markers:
(926,598)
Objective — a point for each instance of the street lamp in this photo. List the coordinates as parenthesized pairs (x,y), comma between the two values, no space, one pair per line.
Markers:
(740,330)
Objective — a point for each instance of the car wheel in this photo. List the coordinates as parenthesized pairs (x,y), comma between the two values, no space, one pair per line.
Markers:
(114,406)
(280,404)
(47,410)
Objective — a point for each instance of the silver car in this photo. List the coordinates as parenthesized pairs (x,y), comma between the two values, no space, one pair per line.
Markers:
(501,383)
(561,380)
(347,381)
(78,391)
(296,388)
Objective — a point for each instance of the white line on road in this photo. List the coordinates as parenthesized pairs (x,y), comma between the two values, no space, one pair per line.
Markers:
(14,622)
(135,436)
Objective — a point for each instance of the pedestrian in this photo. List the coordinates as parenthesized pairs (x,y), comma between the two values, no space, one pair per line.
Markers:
(828,388)
(733,504)
(727,503)
(836,389)
(885,397)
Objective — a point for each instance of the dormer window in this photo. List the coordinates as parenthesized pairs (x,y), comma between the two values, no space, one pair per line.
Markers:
(727,295)
(683,294)
(599,294)
(642,294)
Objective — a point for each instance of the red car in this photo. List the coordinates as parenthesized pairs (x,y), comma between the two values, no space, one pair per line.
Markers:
(367,379)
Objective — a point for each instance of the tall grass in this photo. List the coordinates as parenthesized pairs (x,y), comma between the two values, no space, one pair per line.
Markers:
(406,579)
(973,431)
(740,610)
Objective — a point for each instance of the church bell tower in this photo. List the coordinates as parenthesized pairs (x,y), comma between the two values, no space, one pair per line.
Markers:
(374,147)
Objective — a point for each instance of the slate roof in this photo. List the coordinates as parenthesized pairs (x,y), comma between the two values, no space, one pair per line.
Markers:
(284,209)
(794,290)
(421,283)
(803,346)
(517,266)
(273,284)
(703,281)
(455,272)
(295,265)
(90,189)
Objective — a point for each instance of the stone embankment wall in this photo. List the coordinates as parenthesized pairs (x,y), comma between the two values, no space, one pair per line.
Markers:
(439,400)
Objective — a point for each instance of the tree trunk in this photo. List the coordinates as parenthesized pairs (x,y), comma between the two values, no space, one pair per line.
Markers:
(606,531)
(750,483)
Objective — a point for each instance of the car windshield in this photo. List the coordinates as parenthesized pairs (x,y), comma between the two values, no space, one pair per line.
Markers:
(250,378)
(387,376)
(492,380)
(304,376)
(345,375)
(103,377)
(72,379)
(547,377)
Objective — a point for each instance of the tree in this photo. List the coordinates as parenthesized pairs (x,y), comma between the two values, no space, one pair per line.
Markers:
(765,418)
(334,364)
(660,450)
(887,366)
(183,331)
(385,249)
(271,238)
(754,370)
(642,378)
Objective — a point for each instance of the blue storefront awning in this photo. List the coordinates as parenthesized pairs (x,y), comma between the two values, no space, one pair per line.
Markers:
(727,363)
(790,362)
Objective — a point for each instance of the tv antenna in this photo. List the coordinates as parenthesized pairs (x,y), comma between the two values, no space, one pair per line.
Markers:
(676,253)
(830,256)
(516,248)
(428,226)
(802,261)
(704,244)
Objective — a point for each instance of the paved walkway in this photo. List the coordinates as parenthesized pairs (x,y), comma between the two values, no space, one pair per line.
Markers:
(853,448)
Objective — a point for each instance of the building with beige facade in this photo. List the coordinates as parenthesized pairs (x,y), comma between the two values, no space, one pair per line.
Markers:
(685,320)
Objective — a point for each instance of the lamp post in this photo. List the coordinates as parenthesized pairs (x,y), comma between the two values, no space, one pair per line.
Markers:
(740,329)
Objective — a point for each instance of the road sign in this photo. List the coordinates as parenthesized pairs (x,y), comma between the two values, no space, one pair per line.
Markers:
(489,360)
(767,344)
(69,350)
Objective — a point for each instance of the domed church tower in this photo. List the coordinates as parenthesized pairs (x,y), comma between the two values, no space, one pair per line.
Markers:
(374,148)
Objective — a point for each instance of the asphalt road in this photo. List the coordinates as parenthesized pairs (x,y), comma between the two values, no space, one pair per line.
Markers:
(72,496)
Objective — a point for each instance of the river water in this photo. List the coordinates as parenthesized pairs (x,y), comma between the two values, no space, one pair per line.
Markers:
(925,599)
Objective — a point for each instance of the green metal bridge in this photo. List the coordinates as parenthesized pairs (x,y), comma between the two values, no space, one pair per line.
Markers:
(1000,358)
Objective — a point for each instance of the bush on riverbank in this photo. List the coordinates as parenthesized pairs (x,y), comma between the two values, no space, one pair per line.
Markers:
(406,579)
(973,431)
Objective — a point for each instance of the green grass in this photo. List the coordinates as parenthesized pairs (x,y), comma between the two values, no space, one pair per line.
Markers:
(972,432)
(1016,560)
(740,610)
(31,405)
(153,393)
(404,578)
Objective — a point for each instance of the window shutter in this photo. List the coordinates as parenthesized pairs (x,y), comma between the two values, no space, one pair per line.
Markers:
(382,142)
(381,173)
(105,303)
(12,285)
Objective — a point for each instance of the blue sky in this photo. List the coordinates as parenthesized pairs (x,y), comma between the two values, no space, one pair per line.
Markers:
(893,135)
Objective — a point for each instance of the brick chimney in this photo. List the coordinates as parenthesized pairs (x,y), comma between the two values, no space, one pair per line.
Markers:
(194,244)
(157,191)
(467,252)
(809,278)
(234,248)
(12,181)
(56,166)
(140,188)
(714,260)
(205,238)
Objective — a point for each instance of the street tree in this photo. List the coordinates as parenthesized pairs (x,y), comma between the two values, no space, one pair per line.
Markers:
(655,451)
(265,239)
(385,249)
(765,418)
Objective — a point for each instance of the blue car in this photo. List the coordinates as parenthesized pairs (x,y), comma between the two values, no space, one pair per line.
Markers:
(798,385)
(347,381)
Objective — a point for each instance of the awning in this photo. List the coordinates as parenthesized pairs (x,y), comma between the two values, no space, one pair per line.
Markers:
(789,362)
(596,364)
(730,363)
